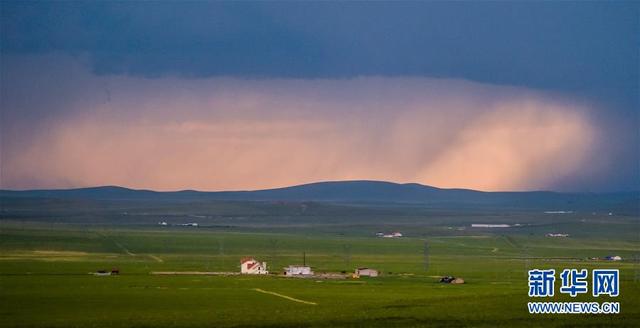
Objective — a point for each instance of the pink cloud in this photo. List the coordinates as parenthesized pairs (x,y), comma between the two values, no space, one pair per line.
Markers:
(222,134)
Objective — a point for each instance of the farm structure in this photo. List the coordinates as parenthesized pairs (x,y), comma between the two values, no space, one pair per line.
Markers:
(366,272)
(297,270)
(395,234)
(557,235)
(249,265)
(488,225)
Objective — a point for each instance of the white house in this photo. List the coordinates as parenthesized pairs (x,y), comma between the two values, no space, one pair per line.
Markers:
(366,272)
(248,265)
(297,270)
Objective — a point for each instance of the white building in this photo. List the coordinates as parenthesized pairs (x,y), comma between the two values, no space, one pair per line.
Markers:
(297,270)
(557,235)
(394,234)
(248,265)
(366,272)
(485,225)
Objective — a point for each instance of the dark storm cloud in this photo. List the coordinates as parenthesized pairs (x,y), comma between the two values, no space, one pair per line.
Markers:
(567,46)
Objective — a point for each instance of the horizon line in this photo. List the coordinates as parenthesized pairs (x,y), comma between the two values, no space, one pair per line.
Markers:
(315,183)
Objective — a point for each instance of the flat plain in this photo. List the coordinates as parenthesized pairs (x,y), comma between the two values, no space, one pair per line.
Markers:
(47,263)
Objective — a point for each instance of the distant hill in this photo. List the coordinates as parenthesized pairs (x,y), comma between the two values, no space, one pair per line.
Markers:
(353,192)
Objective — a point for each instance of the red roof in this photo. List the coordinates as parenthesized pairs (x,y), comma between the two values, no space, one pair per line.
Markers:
(246,259)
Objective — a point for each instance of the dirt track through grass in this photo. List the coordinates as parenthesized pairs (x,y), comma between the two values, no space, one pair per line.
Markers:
(284,296)
(156,258)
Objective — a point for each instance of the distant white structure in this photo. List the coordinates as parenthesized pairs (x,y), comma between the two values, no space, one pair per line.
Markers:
(485,225)
(366,272)
(190,224)
(557,235)
(558,212)
(102,273)
(249,265)
(163,223)
(297,270)
(613,258)
(394,234)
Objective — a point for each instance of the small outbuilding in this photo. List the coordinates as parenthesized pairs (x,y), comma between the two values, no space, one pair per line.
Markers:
(366,272)
(557,235)
(395,234)
(297,270)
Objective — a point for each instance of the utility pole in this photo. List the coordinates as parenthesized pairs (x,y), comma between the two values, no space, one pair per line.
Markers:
(425,253)
(273,243)
(636,276)
(347,253)
(221,250)
(527,260)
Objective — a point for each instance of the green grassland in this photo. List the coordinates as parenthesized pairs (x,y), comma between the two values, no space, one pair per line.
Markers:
(45,266)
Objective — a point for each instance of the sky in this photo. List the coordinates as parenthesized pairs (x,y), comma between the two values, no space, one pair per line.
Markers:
(252,95)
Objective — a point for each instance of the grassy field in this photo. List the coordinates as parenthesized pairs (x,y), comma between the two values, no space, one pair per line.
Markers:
(45,280)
